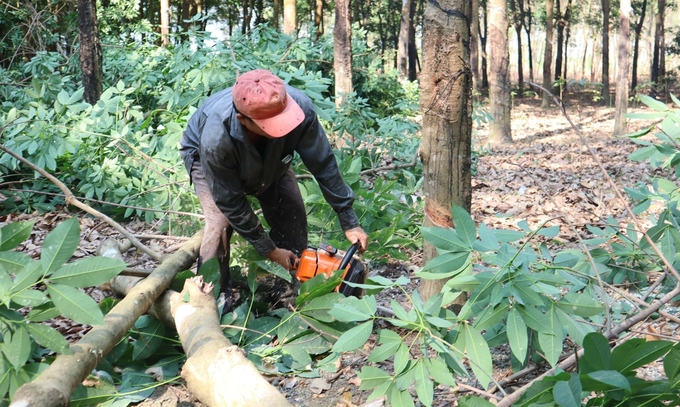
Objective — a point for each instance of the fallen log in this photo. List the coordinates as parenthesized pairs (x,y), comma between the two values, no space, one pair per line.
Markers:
(54,386)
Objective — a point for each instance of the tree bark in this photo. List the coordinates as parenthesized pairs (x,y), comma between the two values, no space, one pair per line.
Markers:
(445,101)
(483,32)
(499,82)
(559,47)
(54,386)
(165,22)
(412,49)
(527,28)
(567,29)
(622,69)
(90,50)
(474,44)
(403,39)
(606,99)
(277,13)
(547,60)
(636,44)
(342,51)
(289,16)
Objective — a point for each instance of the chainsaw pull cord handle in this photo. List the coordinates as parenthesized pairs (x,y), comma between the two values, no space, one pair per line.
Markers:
(348,256)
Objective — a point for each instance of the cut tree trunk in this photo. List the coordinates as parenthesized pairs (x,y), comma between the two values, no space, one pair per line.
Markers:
(54,386)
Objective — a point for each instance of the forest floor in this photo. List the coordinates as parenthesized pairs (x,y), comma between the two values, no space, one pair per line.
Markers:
(545,175)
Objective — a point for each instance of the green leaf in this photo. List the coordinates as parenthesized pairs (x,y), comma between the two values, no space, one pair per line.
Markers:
(275,269)
(568,394)
(671,366)
(440,372)
(14,262)
(477,350)
(517,335)
(18,347)
(626,358)
(14,234)
(534,318)
(30,298)
(59,245)
(88,272)
(49,337)
(611,378)
(474,401)
(445,239)
(464,225)
(597,353)
(42,313)
(487,240)
(447,264)
(391,341)
(354,338)
(27,277)
(319,307)
(551,342)
(74,304)
(549,232)
(580,304)
(490,316)
(424,386)
(372,377)
(290,329)
(653,103)
(150,339)
(318,285)
(401,358)
(576,329)
(400,398)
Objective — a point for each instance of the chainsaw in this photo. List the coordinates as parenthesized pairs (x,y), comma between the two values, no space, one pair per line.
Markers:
(327,259)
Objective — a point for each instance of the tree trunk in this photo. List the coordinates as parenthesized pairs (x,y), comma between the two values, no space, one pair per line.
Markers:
(567,29)
(622,70)
(606,100)
(559,47)
(54,386)
(658,43)
(412,49)
(318,18)
(483,32)
(342,51)
(403,39)
(277,13)
(547,60)
(636,44)
(499,80)
(289,16)
(90,50)
(517,24)
(445,101)
(165,22)
(527,28)
(474,45)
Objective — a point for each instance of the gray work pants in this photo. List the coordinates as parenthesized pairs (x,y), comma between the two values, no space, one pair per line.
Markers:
(282,207)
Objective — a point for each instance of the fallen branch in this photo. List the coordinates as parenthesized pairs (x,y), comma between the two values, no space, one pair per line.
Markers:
(72,200)
(54,386)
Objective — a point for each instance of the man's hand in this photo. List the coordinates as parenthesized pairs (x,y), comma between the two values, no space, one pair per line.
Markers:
(357,234)
(284,257)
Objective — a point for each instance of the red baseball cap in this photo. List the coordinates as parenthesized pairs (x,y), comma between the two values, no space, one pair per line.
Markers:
(262,96)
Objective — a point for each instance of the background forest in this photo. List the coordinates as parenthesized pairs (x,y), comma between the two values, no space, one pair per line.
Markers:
(417,98)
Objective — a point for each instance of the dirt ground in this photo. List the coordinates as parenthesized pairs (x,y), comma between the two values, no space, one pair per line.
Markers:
(546,175)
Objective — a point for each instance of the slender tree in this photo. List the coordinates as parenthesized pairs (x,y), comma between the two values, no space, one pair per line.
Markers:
(499,82)
(547,60)
(606,100)
(90,50)
(559,19)
(636,43)
(165,22)
(318,18)
(289,16)
(412,50)
(474,44)
(482,38)
(445,101)
(622,69)
(342,51)
(517,24)
(527,27)
(567,33)
(658,69)
(403,41)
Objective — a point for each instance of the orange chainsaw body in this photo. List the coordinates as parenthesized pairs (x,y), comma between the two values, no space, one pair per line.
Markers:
(327,259)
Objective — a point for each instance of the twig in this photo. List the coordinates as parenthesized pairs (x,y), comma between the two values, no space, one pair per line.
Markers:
(72,200)
(478,391)
(392,167)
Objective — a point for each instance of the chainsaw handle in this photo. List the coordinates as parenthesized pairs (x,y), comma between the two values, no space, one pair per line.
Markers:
(348,256)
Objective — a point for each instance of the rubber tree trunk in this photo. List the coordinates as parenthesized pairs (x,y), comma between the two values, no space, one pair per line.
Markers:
(90,50)
(622,69)
(517,24)
(527,28)
(547,59)
(318,18)
(499,79)
(54,386)
(445,101)
(483,35)
(657,55)
(289,16)
(559,47)
(403,39)
(636,44)
(165,23)
(606,99)
(474,44)
(342,51)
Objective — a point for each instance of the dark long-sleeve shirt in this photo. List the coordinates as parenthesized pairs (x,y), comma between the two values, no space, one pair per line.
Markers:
(234,168)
